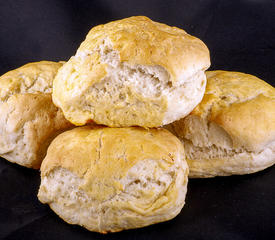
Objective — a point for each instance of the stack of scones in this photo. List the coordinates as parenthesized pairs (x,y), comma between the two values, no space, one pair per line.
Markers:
(119,128)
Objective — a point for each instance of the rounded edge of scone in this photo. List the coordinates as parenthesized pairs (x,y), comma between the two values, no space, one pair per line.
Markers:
(34,77)
(28,123)
(133,72)
(28,118)
(113,179)
(232,131)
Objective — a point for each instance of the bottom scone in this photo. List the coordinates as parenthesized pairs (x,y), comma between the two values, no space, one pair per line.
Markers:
(111,179)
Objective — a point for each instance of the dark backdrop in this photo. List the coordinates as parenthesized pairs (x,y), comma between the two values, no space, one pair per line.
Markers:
(240,36)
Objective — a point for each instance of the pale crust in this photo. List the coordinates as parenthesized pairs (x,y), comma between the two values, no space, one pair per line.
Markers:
(103,159)
(235,121)
(138,41)
(29,120)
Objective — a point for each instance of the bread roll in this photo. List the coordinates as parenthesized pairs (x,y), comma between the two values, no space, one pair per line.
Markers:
(132,72)
(232,131)
(28,118)
(110,179)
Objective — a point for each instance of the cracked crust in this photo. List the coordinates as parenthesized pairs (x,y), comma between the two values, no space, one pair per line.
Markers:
(119,178)
(132,72)
(232,131)
(30,78)
(28,118)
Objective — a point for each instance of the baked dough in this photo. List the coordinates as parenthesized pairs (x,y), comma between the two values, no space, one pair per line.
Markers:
(28,118)
(111,179)
(132,72)
(232,131)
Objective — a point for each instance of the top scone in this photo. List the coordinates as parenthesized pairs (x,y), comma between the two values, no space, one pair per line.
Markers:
(132,72)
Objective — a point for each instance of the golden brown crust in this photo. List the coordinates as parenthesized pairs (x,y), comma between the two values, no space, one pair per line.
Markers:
(251,123)
(29,78)
(139,40)
(99,144)
(243,105)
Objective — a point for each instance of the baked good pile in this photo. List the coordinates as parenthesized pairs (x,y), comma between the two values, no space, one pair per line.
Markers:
(117,130)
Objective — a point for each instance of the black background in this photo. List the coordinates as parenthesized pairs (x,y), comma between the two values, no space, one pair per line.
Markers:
(240,36)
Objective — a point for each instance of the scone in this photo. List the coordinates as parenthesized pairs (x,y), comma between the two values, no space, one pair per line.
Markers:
(111,179)
(28,118)
(132,72)
(232,131)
